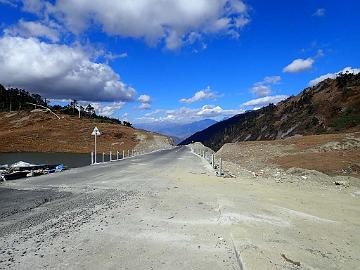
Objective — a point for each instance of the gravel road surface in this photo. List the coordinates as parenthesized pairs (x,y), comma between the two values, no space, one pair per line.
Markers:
(168,210)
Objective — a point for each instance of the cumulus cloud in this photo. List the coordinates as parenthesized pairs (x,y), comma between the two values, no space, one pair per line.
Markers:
(170,22)
(145,101)
(260,102)
(334,75)
(185,114)
(200,95)
(319,12)
(107,109)
(33,29)
(58,71)
(272,79)
(263,88)
(299,65)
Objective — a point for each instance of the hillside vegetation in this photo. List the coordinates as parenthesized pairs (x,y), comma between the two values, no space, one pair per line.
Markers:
(29,124)
(14,99)
(332,106)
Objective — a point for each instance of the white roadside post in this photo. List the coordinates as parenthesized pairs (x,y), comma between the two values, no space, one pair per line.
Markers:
(220,167)
(117,155)
(110,156)
(95,133)
(123,154)
(92,158)
(128,153)
(103,157)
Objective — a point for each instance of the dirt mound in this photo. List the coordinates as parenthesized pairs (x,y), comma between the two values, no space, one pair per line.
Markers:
(330,155)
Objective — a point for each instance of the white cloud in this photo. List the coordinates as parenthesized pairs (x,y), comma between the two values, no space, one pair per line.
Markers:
(58,71)
(145,106)
(200,95)
(170,21)
(186,115)
(319,12)
(299,65)
(111,57)
(259,102)
(272,79)
(334,75)
(33,29)
(107,109)
(263,88)
(144,99)
(145,102)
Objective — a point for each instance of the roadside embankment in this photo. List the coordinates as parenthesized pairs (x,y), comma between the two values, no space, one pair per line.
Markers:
(152,142)
(324,159)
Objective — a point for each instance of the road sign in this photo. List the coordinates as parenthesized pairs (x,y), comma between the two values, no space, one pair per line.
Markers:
(96,132)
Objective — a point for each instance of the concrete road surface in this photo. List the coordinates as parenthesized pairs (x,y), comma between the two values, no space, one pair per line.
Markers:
(168,210)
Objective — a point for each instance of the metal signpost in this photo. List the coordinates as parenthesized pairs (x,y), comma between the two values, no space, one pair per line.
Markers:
(95,133)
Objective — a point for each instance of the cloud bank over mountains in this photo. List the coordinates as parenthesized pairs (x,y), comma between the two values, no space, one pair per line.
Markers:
(334,75)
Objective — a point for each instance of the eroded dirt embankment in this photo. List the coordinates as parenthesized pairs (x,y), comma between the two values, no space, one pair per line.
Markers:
(324,158)
(42,132)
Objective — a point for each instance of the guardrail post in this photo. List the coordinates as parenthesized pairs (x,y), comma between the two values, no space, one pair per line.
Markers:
(92,158)
(220,167)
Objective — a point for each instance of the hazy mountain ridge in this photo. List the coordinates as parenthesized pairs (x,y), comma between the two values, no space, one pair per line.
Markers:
(177,131)
(331,106)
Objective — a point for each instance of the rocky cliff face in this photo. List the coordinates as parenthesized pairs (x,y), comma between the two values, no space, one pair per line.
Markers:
(331,106)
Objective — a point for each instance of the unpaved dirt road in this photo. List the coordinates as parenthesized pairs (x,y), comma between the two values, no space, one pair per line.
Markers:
(168,210)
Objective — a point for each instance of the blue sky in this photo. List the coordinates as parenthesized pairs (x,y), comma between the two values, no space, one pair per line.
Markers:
(175,60)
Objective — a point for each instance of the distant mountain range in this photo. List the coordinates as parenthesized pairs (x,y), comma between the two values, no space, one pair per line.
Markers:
(177,131)
(331,106)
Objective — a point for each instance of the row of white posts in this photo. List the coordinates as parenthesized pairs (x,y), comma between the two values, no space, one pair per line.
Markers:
(96,132)
(211,160)
(125,154)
